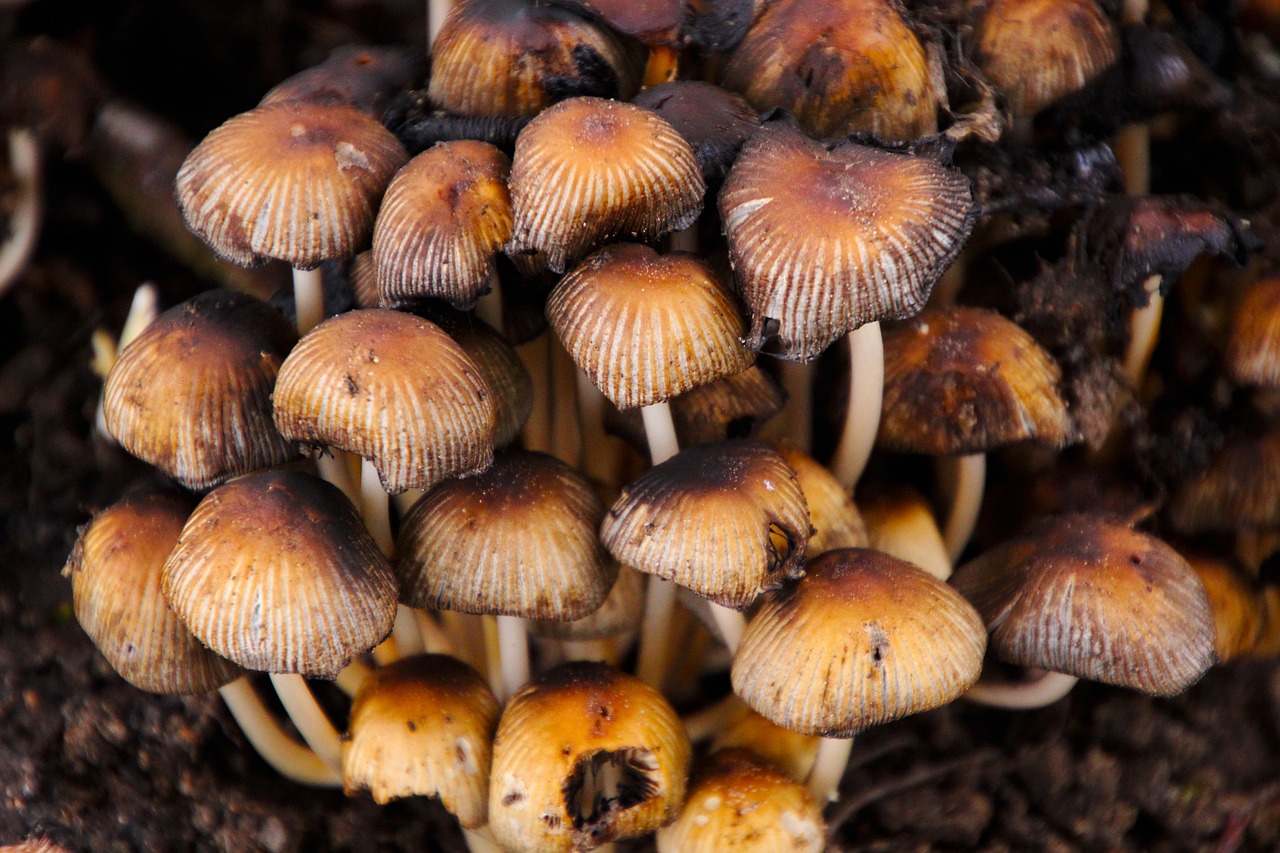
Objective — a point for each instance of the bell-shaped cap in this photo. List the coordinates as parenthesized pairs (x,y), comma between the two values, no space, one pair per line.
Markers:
(588,170)
(1253,345)
(277,572)
(585,755)
(446,215)
(192,393)
(617,615)
(295,181)
(518,540)
(392,388)
(363,76)
(423,726)
(645,327)
(714,121)
(862,639)
(890,225)
(115,584)
(835,521)
(966,380)
(1237,490)
(727,521)
(1093,598)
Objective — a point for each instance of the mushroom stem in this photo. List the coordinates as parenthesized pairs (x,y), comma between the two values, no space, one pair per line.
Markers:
(1144,327)
(1024,696)
(481,840)
(312,722)
(407,634)
(352,677)
(660,431)
(537,429)
(285,755)
(375,507)
(969,475)
(308,298)
(730,624)
(794,424)
(596,462)
(862,418)
(489,306)
(713,719)
(437,11)
(660,595)
(24,218)
(513,652)
(332,467)
(662,67)
(434,639)
(566,429)
(828,768)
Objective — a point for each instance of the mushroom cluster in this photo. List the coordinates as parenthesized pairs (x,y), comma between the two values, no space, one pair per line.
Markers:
(554,251)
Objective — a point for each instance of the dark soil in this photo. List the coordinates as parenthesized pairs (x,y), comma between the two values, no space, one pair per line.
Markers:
(90,762)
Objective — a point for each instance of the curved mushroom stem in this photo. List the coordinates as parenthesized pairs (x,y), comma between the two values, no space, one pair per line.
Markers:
(713,719)
(24,221)
(866,392)
(1025,696)
(828,768)
(1144,328)
(730,623)
(308,298)
(375,507)
(660,595)
(969,475)
(513,653)
(285,755)
(312,722)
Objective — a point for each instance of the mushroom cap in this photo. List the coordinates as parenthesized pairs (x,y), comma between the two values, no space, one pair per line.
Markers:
(791,752)
(966,380)
(584,755)
(652,23)
(1237,614)
(1253,344)
(1237,490)
(515,57)
(292,180)
(737,801)
(863,638)
(446,215)
(362,76)
(518,540)
(714,121)
(115,583)
(588,170)
(707,519)
(276,572)
(900,522)
(617,615)
(891,225)
(423,725)
(393,388)
(645,327)
(192,393)
(1093,598)
(839,66)
(1039,51)
(833,517)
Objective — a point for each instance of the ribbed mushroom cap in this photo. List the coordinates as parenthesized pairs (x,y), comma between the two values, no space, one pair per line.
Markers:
(966,380)
(653,23)
(646,327)
(891,224)
(739,802)
(1253,345)
(588,170)
(515,57)
(1038,51)
(714,121)
(584,755)
(900,522)
(835,521)
(1237,615)
(364,280)
(840,66)
(862,639)
(1237,490)
(519,540)
(445,216)
(1093,598)
(707,519)
(423,725)
(361,76)
(192,393)
(293,180)
(617,615)
(392,388)
(115,583)
(792,752)
(277,572)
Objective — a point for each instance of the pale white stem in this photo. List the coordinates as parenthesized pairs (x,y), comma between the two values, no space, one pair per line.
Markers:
(828,768)
(730,624)
(493,655)
(537,429)
(489,306)
(404,501)
(406,632)
(385,652)
(285,755)
(467,632)
(1025,696)
(660,431)
(970,476)
(866,392)
(437,10)
(435,641)
(375,507)
(332,468)
(352,677)
(595,461)
(794,423)
(308,298)
(514,646)
(713,719)
(1144,329)
(28,208)
(312,722)
(660,595)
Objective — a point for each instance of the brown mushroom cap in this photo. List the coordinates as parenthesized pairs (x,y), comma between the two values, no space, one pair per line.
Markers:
(891,224)
(276,572)
(392,388)
(792,752)
(423,725)
(618,614)
(446,215)
(115,581)
(192,394)
(862,639)
(646,327)
(1253,346)
(1237,612)
(1093,598)
(362,76)
(587,170)
(518,540)
(839,66)
(713,120)
(835,521)
(1237,490)
(966,380)
(293,180)
(584,755)
(705,519)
